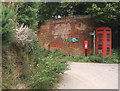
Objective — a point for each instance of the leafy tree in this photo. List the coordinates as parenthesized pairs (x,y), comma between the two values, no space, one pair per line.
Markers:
(108,14)
(75,8)
(9,14)
(49,10)
(52,10)
(28,14)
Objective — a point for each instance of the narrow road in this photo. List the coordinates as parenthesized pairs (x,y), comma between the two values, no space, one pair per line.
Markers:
(90,76)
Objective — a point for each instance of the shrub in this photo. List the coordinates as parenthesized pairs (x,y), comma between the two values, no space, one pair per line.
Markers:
(32,65)
(75,58)
(9,15)
(28,14)
(49,70)
(24,60)
(95,58)
(114,58)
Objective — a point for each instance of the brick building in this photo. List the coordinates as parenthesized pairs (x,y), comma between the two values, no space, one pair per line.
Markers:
(67,34)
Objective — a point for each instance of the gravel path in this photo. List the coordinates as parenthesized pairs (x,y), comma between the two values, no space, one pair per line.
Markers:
(90,76)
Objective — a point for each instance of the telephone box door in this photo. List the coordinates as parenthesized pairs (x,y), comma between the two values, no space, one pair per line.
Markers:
(103,41)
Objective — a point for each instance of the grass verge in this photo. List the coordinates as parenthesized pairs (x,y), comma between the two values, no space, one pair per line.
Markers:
(114,58)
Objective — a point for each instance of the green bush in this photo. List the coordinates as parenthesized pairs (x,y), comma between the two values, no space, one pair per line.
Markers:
(49,70)
(9,15)
(46,66)
(75,58)
(114,58)
(27,62)
(95,58)
(111,58)
(28,14)
(40,68)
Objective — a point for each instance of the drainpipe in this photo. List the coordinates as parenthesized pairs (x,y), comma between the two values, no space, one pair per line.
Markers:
(93,36)
(94,43)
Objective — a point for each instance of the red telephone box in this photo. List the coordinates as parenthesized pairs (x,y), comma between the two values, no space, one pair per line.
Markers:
(104,41)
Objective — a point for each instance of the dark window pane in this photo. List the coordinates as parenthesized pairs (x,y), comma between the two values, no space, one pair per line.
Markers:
(108,35)
(100,48)
(99,30)
(108,47)
(99,51)
(100,34)
(107,30)
(99,42)
(108,42)
(108,50)
(99,45)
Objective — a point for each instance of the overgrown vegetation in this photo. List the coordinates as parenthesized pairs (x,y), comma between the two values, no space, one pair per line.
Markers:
(9,15)
(25,63)
(28,14)
(114,58)
(36,69)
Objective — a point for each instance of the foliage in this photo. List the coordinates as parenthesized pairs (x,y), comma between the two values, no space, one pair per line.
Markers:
(74,8)
(48,10)
(24,60)
(28,14)
(95,58)
(37,71)
(9,15)
(75,58)
(0,19)
(53,10)
(28,63)
(48,71)
(104,12)
(108,14)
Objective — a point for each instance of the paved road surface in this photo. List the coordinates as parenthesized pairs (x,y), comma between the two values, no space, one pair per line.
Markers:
(90,76)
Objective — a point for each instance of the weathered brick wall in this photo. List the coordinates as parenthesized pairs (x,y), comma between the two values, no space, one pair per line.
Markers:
(56,34)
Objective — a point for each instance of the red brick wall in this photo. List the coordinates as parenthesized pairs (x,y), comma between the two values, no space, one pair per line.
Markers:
(56,34)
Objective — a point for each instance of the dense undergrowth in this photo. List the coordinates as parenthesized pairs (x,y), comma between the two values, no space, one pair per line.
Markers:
(31,65)
(25,64)
(114,58)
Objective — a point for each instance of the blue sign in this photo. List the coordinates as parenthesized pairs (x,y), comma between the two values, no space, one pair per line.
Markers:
(74,39)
